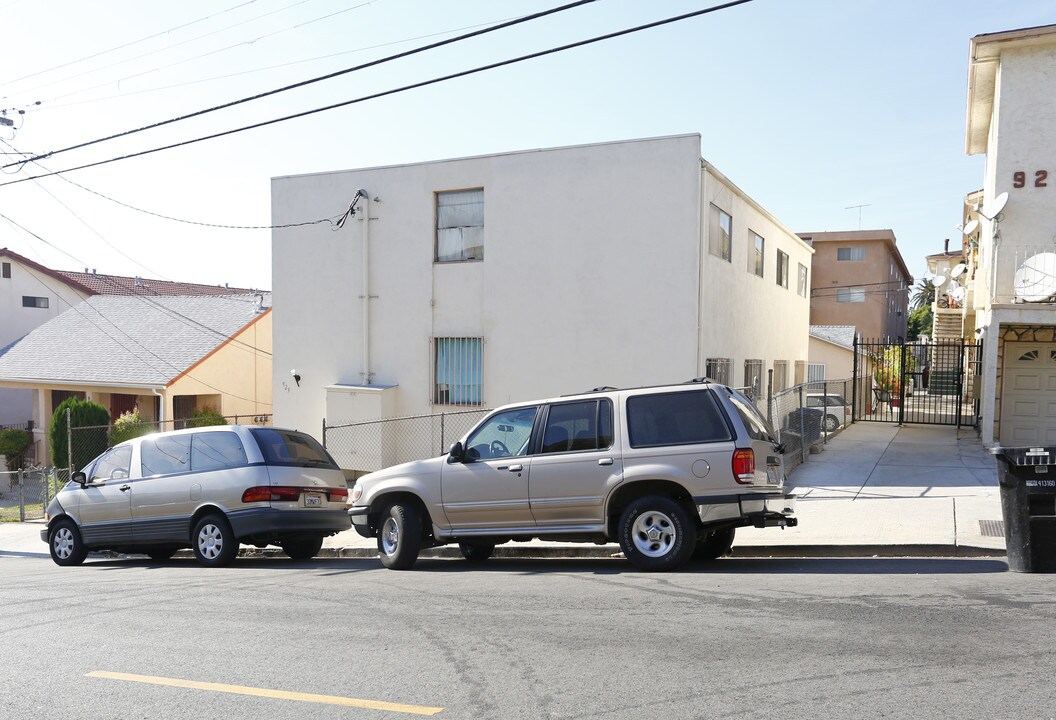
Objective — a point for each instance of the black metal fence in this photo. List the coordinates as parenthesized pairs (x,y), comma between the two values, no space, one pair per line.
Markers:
(926,383)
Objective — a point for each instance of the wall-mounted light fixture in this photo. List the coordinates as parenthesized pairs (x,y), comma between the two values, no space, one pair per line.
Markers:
(296,377)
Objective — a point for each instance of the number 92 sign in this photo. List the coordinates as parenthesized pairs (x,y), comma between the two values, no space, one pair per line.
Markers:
(1040,178)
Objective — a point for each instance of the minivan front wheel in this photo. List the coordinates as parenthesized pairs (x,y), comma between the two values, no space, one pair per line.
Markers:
(66,545)
(656,533)
(399,536)
(214,542)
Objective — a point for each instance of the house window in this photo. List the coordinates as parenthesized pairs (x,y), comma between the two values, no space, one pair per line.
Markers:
(816,372)
(460,225)
(850,295)
(721,233)
(782,269)
(780,375)
(802,285)
(753,377)
(850,253)
(34,302)
(458,370)
(755,255)
(718,369)
(5,270)
(801,372)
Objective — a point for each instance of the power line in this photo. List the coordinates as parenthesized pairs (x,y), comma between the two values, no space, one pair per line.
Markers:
(424,83)
(328,76)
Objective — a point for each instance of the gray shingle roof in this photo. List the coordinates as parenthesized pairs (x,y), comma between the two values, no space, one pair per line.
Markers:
(127,339)
(842,335)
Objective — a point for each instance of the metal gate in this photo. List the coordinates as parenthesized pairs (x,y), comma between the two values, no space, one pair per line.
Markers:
(925,383)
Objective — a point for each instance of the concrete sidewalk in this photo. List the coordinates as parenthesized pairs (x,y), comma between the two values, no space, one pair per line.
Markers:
(875,490)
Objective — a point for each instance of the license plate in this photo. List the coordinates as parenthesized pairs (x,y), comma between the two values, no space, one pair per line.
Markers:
(314,500)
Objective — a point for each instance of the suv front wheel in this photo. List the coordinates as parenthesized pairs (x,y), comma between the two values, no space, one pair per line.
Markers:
(656,533)
(400,536)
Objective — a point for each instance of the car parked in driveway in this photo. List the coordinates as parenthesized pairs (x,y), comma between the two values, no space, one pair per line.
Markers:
(205,488)
(837,409)
(669,472)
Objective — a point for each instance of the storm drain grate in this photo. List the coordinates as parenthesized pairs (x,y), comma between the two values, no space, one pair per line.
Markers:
(992,528)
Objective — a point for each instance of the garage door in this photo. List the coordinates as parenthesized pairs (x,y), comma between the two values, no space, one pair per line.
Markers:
(1028,397)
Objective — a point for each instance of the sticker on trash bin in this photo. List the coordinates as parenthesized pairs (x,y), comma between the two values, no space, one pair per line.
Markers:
(1040,483)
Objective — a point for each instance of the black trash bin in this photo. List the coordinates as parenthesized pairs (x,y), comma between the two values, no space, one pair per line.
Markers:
(806,422)
(1027,478)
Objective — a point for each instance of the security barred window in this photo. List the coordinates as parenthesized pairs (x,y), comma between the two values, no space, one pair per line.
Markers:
(780,375)
(458,371)
(718,369)
(753,378)
(460,225)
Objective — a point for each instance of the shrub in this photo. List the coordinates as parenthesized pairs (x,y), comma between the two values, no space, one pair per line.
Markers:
(89,421)
(129,425)
(203,417)
(13,442)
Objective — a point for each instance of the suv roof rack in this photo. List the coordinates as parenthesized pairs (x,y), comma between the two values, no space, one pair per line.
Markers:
(700,379)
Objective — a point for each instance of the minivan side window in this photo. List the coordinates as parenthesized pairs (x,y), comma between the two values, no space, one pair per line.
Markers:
(584,425)
(678,418)
(113,464)
(166,455)
(216,451)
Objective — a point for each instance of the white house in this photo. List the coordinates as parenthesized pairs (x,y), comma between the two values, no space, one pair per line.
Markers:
(480,281)
(1012,119)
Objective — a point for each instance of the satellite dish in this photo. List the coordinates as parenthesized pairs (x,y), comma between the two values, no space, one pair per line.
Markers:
(994,209)
(958,294)
(938,280)
(971,227)
(958,270)
(1035,280)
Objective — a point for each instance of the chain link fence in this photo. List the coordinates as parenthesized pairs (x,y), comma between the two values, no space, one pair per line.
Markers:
(373,445)
(26,492)
(806,416)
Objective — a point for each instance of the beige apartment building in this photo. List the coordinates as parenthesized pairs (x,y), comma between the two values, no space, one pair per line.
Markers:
(859,278)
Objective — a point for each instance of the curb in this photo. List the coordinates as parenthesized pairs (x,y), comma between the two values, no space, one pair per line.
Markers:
(608,552)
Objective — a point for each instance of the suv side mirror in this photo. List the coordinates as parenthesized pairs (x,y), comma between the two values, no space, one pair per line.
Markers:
(80,478)
(457,452)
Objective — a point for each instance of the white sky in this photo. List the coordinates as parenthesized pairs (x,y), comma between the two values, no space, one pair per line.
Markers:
(810,106)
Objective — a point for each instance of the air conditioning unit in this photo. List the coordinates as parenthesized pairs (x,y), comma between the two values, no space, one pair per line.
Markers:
(442,394)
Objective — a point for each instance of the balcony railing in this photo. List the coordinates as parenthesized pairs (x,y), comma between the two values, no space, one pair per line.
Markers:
(1024,274)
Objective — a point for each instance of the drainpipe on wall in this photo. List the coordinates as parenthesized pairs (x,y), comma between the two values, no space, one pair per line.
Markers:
(161,407)
(365,196)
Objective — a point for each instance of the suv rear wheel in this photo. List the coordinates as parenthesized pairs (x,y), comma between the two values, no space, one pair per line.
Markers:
(656,533)
(399,536)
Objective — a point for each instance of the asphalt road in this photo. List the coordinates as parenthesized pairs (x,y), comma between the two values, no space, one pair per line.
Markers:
(513,639)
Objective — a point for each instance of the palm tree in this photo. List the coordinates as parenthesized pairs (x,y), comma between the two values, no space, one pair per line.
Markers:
(923,294)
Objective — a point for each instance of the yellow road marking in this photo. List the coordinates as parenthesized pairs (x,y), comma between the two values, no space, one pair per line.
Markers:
(264,692)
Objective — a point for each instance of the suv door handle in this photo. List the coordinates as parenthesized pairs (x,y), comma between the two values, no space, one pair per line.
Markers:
(123,488)
(605,461)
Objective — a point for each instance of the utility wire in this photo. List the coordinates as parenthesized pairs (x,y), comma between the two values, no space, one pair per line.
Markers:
(329,76)
(424,83)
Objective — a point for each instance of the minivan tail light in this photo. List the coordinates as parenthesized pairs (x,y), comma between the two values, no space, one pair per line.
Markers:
(338,494)
(264,493)
(744,466)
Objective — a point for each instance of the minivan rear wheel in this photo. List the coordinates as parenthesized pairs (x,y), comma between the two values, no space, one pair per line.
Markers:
(214,542)
(399,536)
(303,548)
(475,551)
(65,543)
(657,533)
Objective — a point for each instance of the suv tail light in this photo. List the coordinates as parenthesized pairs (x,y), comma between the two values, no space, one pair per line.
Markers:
(744,466)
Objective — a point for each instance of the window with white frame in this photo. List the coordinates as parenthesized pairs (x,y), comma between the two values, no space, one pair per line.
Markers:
(782,269)
(850,295)
(756,254)
(850,253)
(753,377)
(721,234)
(803,286)
(718,369)
(458,371)
(780,375)
(5,270)
(815,372)
(460,225)
(801,372)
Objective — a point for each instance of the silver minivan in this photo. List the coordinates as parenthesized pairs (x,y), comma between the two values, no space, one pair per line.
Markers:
(205,488)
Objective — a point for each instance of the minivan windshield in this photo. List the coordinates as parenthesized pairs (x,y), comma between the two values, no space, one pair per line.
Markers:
(286,447)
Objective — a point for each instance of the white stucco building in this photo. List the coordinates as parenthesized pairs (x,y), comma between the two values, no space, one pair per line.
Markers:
(479,281)
(1011,117)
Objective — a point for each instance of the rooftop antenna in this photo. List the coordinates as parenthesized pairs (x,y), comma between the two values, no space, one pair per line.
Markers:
(859,208)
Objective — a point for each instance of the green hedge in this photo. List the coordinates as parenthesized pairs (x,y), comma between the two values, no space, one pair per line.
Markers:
(129,425)
(13,443)
(204,417)
(87,443)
